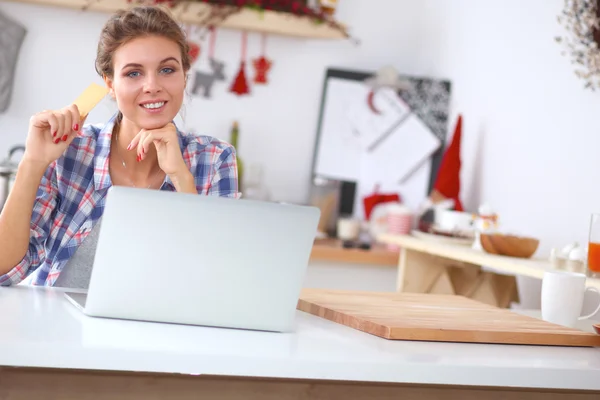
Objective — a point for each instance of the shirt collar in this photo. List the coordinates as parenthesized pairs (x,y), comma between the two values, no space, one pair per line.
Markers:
(101,172)
(101,160)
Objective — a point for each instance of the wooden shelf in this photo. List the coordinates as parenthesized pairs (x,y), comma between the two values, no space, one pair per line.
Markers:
(271,22)
(530,267)
(332,250)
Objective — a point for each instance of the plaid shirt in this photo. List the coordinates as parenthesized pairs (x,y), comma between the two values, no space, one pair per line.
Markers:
(72,193)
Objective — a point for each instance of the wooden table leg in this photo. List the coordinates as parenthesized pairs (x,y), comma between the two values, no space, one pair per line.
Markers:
(424,273)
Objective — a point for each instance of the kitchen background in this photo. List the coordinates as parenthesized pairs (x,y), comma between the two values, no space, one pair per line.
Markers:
(530,130)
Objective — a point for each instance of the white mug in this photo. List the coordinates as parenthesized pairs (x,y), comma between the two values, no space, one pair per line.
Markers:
(450,220)
(562,297)
(348,228)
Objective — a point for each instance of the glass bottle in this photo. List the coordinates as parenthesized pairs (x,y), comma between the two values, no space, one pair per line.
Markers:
(235,135)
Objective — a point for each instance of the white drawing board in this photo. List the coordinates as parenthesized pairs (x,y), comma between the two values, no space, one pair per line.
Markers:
(394,148)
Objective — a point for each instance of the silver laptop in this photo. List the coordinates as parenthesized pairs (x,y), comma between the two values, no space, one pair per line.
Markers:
(200,260)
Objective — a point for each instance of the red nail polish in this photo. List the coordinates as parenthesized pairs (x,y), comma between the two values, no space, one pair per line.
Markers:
(56,140)
(64,138)
(54,134)
(76,127)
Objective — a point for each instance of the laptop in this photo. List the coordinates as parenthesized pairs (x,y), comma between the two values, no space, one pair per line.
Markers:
(200,260)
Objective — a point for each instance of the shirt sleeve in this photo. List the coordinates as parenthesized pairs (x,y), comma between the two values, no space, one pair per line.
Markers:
(41,220)
(224,182)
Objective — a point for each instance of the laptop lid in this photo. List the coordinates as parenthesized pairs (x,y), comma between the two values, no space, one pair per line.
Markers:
(203,260)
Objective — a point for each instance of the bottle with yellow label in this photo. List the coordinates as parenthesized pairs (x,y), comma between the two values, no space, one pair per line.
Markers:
(235,136)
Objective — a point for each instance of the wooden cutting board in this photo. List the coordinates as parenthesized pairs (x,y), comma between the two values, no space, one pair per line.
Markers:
(431,317)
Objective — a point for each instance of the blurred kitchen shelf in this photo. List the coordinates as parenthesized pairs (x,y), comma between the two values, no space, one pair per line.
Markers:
(271,22)
(332,250)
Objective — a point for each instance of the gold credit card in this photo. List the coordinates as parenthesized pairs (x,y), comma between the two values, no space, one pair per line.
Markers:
(90,98)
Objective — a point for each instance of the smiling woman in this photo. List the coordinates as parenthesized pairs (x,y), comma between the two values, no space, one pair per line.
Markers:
(49,224)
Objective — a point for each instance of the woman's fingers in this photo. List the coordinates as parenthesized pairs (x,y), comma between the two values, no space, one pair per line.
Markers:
(142,141)
(67,125)
(40,120)
(54,125)
(61,126)
(141,152)
(149,138)
(76,121)
(134,142)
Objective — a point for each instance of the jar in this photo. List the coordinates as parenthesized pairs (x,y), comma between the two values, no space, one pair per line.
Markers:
(328,6)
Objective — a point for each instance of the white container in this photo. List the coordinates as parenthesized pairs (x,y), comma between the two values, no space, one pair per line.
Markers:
(450,220)
(348,229)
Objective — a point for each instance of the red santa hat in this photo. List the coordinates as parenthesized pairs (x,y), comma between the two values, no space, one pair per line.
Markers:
(448,179)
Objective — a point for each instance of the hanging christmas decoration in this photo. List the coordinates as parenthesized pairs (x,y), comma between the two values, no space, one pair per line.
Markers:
(317,12)
(240,83)
(194,51)
(193,46)
(262,65)
(204,80)
(581,21)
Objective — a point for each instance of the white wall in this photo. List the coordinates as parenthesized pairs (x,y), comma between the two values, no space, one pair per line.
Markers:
(530,138)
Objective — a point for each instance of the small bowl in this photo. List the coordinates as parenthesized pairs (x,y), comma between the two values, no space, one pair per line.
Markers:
(509,245)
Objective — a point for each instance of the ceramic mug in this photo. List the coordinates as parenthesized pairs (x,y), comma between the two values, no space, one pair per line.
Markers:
(562,297)
(348,228)
(399,222)
(450,220)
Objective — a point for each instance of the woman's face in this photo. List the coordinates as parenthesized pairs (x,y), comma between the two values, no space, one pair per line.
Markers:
(149,81)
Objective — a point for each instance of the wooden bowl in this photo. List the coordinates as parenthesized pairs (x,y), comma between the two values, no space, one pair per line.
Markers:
(509,245)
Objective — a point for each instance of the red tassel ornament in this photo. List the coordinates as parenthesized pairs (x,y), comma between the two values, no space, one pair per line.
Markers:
(240,83)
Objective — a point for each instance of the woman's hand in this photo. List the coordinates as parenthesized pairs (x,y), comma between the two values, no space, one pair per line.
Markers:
(50,133)
(170,159)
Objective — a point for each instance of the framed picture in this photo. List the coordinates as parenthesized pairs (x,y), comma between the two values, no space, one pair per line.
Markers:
(393,139)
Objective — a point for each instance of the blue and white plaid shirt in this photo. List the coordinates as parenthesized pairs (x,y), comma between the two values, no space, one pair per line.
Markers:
(71,196)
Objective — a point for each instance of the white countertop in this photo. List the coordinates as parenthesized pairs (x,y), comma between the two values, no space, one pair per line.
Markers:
(39,328)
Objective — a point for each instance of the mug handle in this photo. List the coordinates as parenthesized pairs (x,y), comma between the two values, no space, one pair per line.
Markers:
(591,289)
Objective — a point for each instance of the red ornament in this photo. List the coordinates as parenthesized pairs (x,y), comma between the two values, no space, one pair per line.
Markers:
(194,51)
(193,48)
(262,65)
(240,84)
(375,198)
